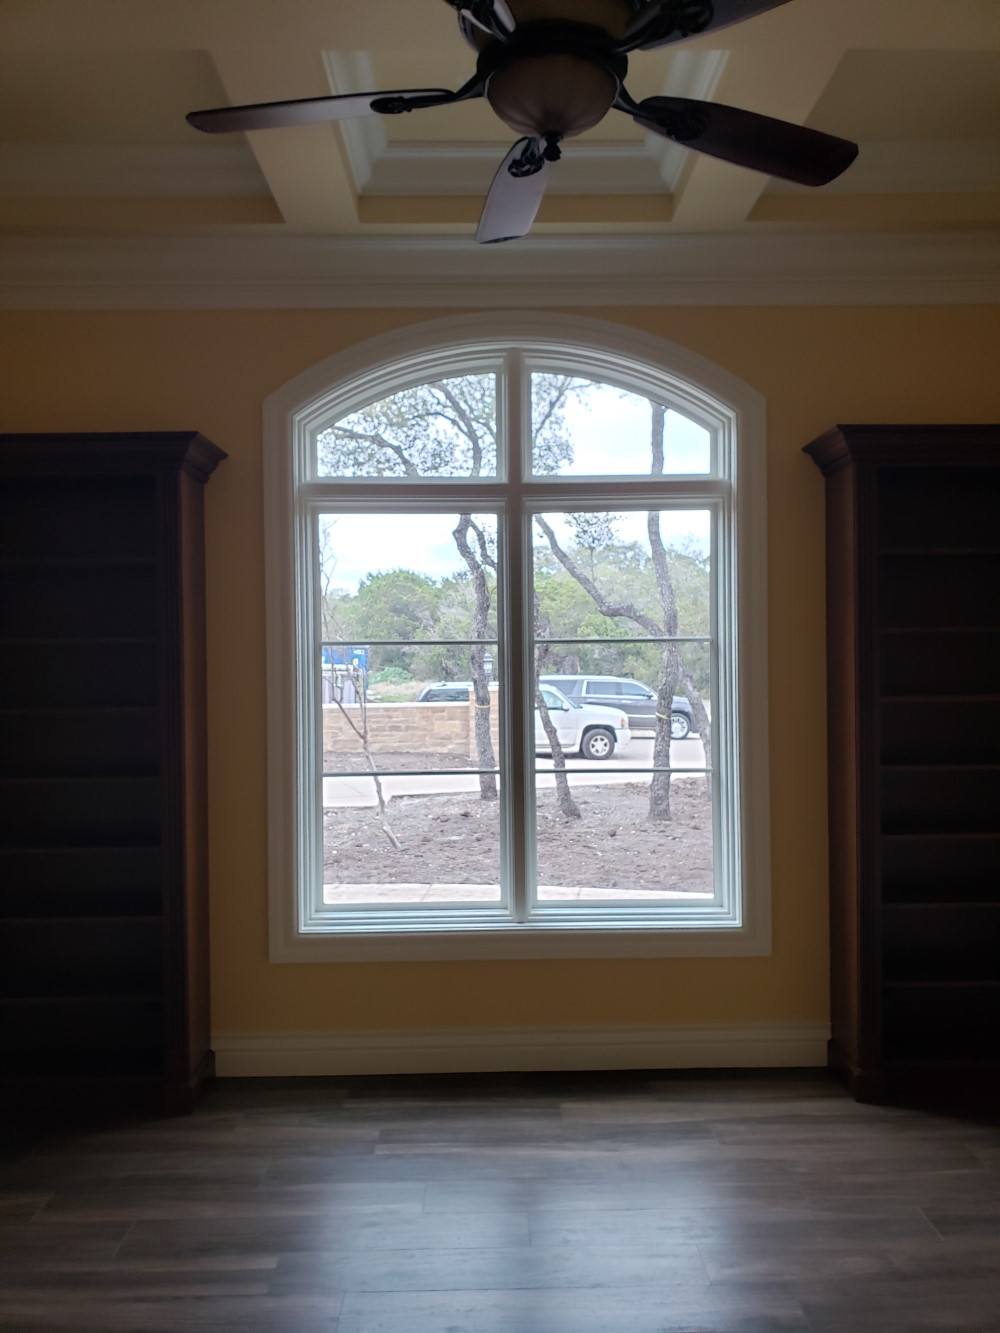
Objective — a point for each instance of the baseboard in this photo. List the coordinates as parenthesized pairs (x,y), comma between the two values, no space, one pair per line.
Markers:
(494,1050)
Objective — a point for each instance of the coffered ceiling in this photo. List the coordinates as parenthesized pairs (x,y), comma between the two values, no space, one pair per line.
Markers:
(93,142)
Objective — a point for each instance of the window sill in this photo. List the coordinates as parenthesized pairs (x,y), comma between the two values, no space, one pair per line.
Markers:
(523,942)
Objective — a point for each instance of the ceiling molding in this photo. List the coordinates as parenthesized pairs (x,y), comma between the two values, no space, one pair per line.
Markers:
(318,272)
(365,141)
(223,170)
(443,170)
(381,168)
(923,166)
(694,74)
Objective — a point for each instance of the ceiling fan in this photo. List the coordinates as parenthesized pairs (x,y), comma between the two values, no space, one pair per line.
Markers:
(552,69)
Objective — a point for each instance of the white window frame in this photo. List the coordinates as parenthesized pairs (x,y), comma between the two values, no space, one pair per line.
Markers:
(735,415)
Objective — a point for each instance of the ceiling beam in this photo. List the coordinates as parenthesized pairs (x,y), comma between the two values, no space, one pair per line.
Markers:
(781,63)
(305,168)
(715,195)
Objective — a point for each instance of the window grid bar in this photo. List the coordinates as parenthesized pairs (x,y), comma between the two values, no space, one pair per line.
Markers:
(492,772)
(666,638)
(411,643)
(684,491)
(417,773)
(578,772)
(518,694)
(472,643)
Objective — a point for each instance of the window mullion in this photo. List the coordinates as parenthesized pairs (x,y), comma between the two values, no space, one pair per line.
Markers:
(519,710)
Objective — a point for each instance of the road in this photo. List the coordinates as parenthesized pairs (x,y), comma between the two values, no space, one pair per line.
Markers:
(359,791)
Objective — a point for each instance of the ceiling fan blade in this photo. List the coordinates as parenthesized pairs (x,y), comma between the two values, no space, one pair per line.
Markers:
(776,147)
(673,20)
(515,195)
(318,110)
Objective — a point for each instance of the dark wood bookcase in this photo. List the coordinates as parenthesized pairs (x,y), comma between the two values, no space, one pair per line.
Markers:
(913,628)
(103,892)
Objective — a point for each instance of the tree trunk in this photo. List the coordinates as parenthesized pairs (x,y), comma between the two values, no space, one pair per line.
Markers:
(702,722)
(567,806)
(659,787)
(357,680)
(485,756)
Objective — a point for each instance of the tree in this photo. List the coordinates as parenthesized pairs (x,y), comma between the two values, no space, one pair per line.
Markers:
(397,604)
(564,797)
(448,429)
(591,530)
(443,429)
(354,676)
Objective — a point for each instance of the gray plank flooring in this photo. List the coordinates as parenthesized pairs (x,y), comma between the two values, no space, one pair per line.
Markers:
(764,1203)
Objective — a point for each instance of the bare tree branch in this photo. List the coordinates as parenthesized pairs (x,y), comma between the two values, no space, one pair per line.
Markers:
(484,547)
(382,443)
(626,610)
(468,426)
(356,677)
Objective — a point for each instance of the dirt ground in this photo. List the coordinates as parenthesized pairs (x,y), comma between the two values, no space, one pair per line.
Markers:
(389,761)
(454,840)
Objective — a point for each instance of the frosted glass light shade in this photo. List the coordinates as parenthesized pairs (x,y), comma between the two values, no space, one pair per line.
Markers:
(559,94)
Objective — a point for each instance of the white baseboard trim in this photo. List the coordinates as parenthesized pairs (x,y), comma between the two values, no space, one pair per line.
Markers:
(492,1050)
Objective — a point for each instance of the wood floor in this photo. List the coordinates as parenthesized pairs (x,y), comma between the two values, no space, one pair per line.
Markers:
(613,1204)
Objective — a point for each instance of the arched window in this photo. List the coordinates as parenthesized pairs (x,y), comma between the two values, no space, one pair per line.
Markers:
(516,648)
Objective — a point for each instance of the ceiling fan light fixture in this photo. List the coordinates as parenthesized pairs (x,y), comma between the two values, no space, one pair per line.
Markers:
(561,95)
(552,69)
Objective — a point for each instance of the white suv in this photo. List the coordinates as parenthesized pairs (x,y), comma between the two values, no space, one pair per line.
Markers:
(591,732)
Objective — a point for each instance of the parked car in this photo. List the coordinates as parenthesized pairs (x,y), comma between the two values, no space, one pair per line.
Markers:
(637,700)
(593,732)
(446,692)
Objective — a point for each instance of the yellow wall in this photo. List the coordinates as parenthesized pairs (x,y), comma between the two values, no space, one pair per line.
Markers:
(211,370)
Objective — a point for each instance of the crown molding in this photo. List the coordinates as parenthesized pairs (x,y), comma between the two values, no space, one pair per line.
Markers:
(275,271)
(125,171)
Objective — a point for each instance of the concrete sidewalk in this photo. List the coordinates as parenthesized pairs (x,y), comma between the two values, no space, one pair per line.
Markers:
(341,894)
(359,791)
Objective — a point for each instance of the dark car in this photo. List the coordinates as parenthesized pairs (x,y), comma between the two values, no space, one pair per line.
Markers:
(636,700)
(446,692)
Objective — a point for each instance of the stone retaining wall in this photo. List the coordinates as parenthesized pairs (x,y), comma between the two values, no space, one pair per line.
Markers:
(410,728)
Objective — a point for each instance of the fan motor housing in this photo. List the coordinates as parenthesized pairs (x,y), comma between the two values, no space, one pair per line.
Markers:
(553,79)
(559,95)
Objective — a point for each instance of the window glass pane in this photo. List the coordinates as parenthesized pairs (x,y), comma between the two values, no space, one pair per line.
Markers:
(448,843)
(408,576)
(626,575)
(582,428)
(686,668)
(624,802)
(444,429)
(615,851)
(409,707)
(416,718)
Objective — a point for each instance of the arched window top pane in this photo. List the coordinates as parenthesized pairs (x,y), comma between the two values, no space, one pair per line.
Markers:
(445,428)
(583,427)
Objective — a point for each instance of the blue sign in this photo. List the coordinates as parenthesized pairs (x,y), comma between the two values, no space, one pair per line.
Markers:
(338,655)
